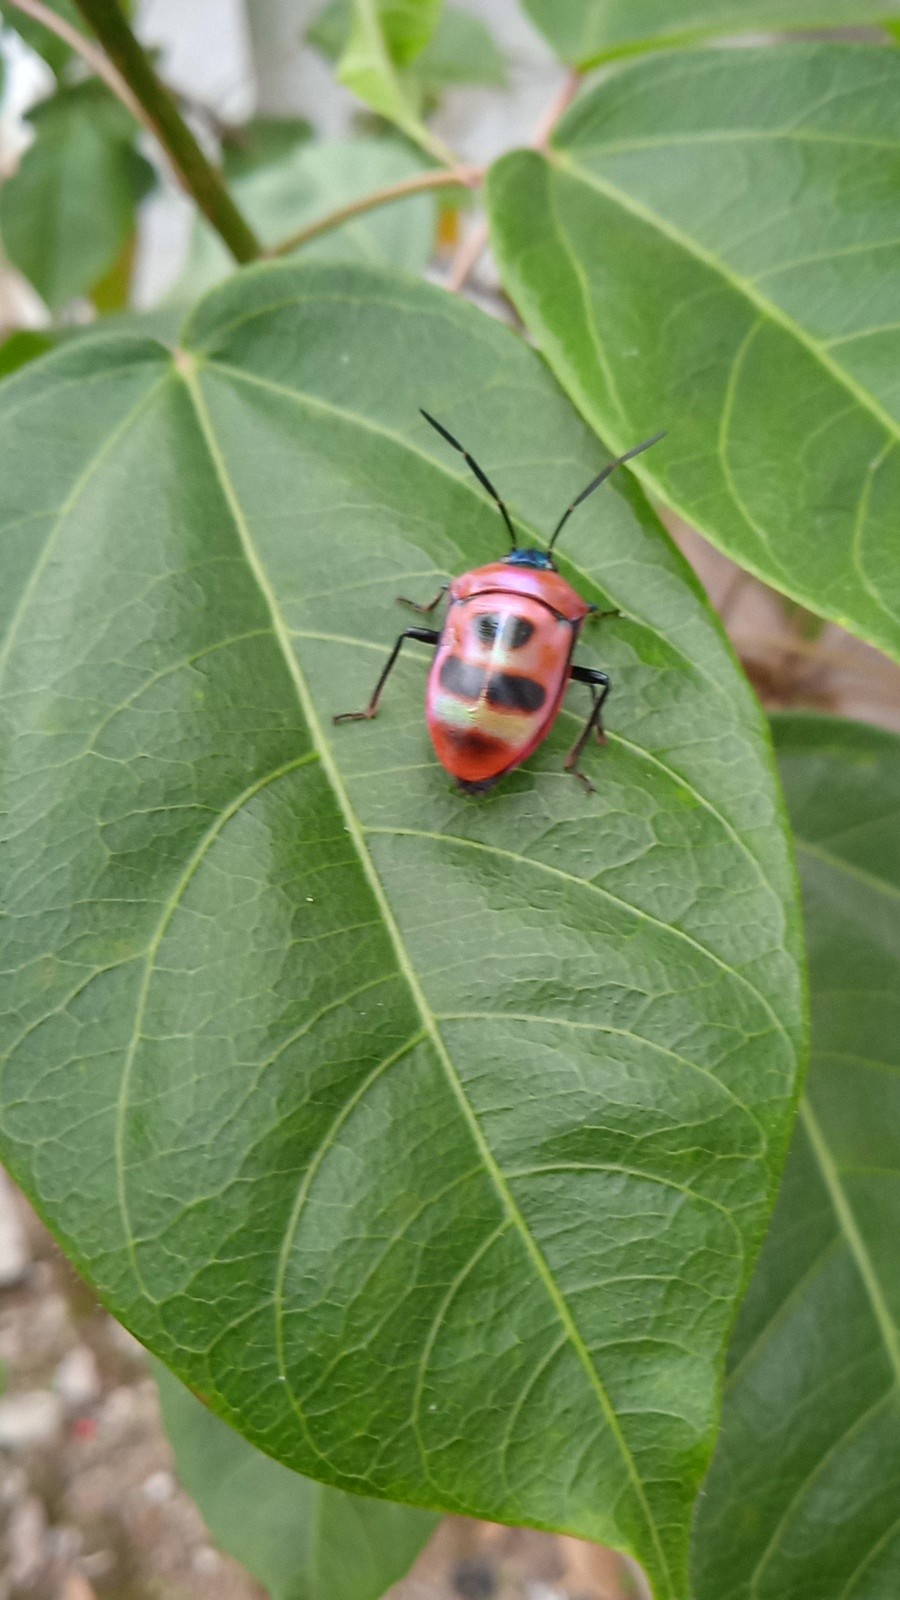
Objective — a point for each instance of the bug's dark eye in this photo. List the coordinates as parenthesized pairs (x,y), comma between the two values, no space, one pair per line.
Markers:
(517,632)
(487,628)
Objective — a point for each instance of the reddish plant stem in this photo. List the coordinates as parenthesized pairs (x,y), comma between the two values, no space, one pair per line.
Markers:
(475,242)
(459,177)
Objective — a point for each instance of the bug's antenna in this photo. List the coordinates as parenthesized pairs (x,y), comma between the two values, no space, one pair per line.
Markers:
(484,481)
(601,478)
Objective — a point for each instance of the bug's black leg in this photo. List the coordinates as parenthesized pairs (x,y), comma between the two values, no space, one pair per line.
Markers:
(430,606)
(425,636)
(600,685)
(597,616)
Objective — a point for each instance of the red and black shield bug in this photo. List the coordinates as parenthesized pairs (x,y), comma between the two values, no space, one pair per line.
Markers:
(504,654)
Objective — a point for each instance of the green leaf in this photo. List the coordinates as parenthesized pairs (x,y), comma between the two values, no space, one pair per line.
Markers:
(801,1503)
(303,1541)
(429,1139)
(67,211)
(407,26)
(369,67)
(586,32)
(26,344)
(54,50)
(712,248)
(330,30)
(461,50)
(315,180)
(262,142)
(21,347)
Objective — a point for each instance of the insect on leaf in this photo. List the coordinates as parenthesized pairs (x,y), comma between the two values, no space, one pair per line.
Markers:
(430,1139)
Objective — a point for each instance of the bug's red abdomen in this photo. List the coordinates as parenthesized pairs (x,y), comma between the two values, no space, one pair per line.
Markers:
(500,672)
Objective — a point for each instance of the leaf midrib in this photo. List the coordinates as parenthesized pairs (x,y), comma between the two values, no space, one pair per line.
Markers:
(187,368)
(796,135)
(850,1234)
(817,852)
(588,884)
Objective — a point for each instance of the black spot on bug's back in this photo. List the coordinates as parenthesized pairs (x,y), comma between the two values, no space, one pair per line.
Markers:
(514,693)
(513,632)
(487,626)
(461,678)
(518,631)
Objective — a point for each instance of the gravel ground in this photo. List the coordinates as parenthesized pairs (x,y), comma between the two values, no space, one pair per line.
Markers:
(89,1504)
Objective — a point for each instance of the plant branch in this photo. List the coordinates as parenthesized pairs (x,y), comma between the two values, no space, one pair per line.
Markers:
(460,177)
(557,108)
(161,114)
(475,242)
(468,255)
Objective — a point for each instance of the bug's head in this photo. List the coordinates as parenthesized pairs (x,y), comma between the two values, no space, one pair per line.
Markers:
(539,560)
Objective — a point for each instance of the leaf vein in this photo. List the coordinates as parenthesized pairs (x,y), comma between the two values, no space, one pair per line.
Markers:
(598,889)
(168,911)
(78,488)
(622,1033)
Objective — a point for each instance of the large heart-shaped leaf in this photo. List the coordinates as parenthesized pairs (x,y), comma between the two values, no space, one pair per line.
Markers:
(301,1539)
(713,246)
(801,1503)
(585,32)
(430,1139)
